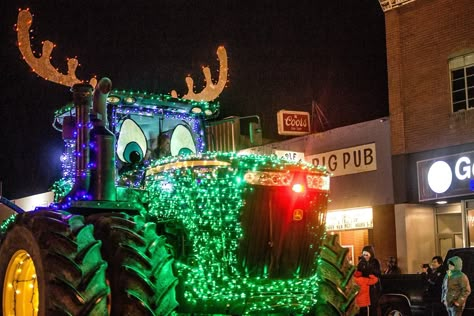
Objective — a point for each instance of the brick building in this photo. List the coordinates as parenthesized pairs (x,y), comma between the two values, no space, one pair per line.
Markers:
(430,63)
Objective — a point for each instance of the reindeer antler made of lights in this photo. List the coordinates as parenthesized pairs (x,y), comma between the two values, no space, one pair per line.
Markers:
(210,91)
(42,65)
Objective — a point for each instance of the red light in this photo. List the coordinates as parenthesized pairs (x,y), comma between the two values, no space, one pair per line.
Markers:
(298,188)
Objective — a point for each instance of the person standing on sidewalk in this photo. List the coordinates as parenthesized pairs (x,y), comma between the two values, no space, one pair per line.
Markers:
(456,287)
(363,297)
(370,265)
(434,282)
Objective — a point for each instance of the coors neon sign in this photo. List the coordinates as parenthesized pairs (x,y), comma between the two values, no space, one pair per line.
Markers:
(293,123)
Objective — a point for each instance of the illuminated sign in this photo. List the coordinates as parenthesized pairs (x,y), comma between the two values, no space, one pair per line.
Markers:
(293,123)
(447,176)
(289,155)
(348,160)
(360,218)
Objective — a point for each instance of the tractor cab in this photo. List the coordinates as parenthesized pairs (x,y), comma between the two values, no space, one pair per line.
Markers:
(147,127)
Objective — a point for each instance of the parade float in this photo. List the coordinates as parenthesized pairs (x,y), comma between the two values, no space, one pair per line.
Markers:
(147,220)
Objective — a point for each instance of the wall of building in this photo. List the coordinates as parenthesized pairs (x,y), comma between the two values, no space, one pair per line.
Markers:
(384,232)
(415,230)
(421,37)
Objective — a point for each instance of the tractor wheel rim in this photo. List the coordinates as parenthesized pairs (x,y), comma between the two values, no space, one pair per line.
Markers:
(20,287)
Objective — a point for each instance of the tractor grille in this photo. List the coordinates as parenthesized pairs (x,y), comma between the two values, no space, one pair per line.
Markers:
(282,231)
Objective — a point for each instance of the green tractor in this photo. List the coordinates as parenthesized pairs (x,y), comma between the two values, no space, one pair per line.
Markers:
(148,221)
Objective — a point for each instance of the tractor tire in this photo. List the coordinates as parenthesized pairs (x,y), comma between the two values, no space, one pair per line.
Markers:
(336,289)
(50,264)
(140,267)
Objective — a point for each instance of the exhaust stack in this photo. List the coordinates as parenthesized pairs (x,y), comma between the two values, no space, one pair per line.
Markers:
(102,147)
(82,98)
(94,177)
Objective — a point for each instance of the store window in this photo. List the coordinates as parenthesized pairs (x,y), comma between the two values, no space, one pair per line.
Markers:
(354,229)
(462,82)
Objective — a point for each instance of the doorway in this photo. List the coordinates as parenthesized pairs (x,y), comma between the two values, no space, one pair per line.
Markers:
(448,228)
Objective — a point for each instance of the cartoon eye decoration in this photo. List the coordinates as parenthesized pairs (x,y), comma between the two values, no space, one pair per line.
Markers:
(131,143)
(182,141)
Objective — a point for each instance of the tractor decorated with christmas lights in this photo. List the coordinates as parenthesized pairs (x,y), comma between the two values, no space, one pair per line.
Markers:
(148,221)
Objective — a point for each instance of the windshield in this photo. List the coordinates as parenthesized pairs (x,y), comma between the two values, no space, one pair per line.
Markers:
(143,137)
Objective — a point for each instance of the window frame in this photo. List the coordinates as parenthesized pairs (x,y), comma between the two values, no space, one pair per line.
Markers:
(465,63)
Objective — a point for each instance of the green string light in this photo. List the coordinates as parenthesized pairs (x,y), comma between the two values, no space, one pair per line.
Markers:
(6,225)
(61,188)
(208,202)
(205,202)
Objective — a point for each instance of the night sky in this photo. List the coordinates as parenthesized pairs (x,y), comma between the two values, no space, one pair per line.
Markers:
(281,55)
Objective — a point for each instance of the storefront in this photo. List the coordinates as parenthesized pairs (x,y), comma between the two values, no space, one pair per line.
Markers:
(361,210)
(438,209)
(353,227)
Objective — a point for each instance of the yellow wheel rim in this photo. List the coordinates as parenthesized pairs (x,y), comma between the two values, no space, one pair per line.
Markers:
(20,287)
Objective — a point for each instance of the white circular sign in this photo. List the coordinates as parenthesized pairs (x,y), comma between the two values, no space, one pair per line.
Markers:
(440,177)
